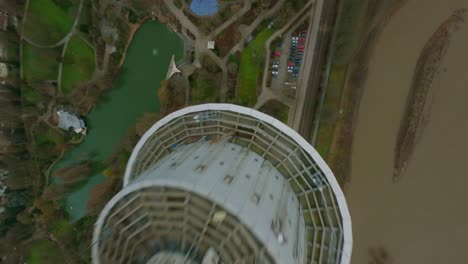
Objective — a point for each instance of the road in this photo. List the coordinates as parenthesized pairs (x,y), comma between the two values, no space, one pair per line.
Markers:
(308,88)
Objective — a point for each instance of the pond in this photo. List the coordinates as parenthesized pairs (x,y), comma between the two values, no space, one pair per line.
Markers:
(134,93)
(204,7)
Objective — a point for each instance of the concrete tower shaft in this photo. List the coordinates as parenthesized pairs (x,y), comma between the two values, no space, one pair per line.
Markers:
(226,179)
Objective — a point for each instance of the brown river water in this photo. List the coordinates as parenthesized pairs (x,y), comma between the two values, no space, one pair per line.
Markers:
(422,218)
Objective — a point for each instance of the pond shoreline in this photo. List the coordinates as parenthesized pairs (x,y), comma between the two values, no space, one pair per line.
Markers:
(136,85)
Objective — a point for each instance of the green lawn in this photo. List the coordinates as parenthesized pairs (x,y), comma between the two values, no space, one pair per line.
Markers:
(350,29)
(78,64)
(330,110)
(39,64)
(251,67)
(45,251)
(277,110)
(47,22)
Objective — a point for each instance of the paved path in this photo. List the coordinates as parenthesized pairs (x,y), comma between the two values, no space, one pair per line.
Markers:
(247,31)
(201,40)
(65,39)
(276,35)
(247,6)
(267,93)
(308,62)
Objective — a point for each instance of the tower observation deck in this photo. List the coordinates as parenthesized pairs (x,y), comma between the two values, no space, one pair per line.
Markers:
(220,183)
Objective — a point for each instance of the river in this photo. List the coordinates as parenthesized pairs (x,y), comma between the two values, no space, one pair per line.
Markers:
(423,217)
(134,93)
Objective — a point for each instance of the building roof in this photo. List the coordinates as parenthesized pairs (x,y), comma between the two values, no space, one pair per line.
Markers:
(3,19)
(67,120)
(323,206)
(3,70)
(211,44)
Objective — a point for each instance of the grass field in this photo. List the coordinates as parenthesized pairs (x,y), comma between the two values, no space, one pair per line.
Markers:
(251,67)
(276,109)
(44,251)
(330,110)
(78,64)
(47,22)
(350,30)
(39,64)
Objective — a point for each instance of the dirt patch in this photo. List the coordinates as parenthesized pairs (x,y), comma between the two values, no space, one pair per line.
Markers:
(418,105)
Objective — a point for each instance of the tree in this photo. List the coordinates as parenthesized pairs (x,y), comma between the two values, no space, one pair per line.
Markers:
(74,174)
(54,192)
(84,28)
(145,122)
(17,182)
(99,196)
(18,199)
(24,217)
(47,209)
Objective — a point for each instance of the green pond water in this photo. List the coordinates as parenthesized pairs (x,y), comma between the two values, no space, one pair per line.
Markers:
(134,93)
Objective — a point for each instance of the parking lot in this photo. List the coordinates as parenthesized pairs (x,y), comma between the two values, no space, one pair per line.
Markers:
(287,59)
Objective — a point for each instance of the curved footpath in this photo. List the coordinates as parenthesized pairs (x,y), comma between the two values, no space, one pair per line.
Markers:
(422,218)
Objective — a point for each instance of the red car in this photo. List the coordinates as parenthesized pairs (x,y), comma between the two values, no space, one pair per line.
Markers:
(290,63)
(300,47)
(277,53)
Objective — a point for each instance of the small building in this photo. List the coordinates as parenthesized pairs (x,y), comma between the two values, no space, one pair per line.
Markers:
(68,120)
(3,20)
(3,70)
(3,46)
(211,44)
(3,176)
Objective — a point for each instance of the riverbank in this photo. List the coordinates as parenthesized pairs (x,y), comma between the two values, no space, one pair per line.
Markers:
(133,28)
(417,219)
(348,74)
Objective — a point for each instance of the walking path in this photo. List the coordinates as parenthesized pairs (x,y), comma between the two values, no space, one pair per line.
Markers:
(265,89)
(64,40)
(311,44)
(247,6)
(201,41)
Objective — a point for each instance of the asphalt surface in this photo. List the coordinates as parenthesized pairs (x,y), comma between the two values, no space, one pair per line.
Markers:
(318,50)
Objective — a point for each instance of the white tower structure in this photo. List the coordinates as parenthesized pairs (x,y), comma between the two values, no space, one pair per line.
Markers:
(220,183)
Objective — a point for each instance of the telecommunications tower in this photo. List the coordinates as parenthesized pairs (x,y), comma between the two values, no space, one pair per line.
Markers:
(221,183)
